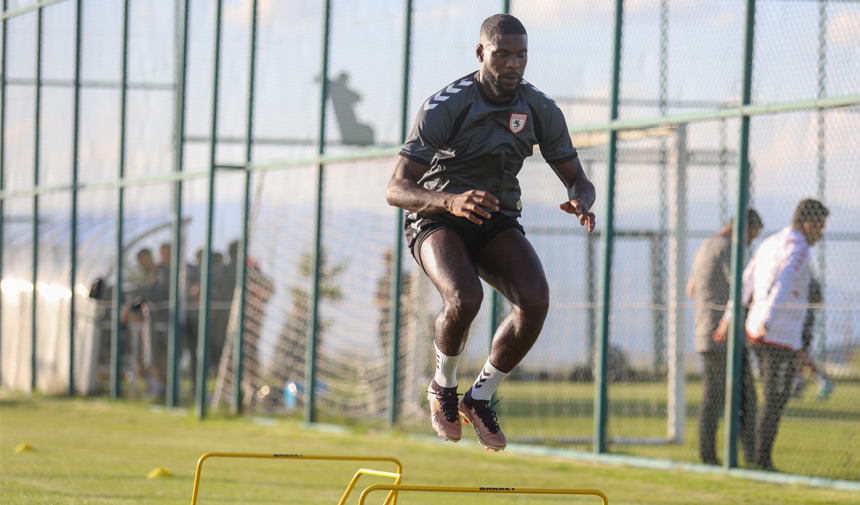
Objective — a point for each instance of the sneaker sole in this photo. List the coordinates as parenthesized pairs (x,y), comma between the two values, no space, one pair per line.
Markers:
(444,437)
(489,447)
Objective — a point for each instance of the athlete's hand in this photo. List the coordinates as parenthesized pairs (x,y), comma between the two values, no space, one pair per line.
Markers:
(580,210)
(473,205)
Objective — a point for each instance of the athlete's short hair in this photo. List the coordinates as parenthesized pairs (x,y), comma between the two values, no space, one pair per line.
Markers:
(810,210)
(501,24)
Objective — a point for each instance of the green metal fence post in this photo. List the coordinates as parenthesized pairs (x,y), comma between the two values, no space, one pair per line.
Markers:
(206,273)
(735,343)
(3,41)
(177,306)
(120,225)
(821,174)
(601,411)
(495,297)
(242,253)
(397,254)
(659,242)
(495,308)
(73,246)
(241,281)
(591,241)
(35,226)
(313,327)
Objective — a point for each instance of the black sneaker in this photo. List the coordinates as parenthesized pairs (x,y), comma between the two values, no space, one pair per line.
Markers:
(480,414)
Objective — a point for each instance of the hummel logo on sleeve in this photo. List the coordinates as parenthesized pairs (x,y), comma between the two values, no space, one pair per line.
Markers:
(443,95)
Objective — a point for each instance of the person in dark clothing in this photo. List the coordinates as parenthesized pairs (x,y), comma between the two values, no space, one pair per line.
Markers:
(456,178)
(709,287)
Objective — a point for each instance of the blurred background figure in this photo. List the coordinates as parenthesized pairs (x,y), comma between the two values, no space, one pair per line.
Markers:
(709,287)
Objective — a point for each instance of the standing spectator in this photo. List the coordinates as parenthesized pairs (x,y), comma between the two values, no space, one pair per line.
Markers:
(709,287)
(163,271)
(132,316)
(148,310)
(159,309)
(776,284)
(192,304)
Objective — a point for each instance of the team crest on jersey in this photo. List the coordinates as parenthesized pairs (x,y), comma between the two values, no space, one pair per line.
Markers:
(517,122)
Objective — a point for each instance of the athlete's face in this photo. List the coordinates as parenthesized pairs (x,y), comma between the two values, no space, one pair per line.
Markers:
(503,62)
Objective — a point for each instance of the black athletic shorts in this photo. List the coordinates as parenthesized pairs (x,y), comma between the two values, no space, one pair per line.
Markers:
(419,226)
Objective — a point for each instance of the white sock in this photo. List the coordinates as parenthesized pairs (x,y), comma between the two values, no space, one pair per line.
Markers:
(446,369)
(488,382)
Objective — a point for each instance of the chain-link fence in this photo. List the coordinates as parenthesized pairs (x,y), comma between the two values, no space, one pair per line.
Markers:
(159,157)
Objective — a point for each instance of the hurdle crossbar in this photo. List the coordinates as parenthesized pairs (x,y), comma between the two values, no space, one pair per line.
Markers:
(390,500)
(397,488)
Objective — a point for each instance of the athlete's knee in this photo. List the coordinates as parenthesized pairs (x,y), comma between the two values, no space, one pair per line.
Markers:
(534,303)
(463,303)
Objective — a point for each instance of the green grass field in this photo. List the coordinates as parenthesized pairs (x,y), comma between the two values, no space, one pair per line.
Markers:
(92,452)
(816,438)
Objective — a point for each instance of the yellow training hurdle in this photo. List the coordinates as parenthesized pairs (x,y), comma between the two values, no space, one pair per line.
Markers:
(391,499)
(502,490)
(393,489)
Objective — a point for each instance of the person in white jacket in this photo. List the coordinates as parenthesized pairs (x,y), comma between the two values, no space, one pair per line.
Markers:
(776,289)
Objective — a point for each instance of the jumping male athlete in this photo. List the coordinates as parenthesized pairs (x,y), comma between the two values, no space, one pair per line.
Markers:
(456,177)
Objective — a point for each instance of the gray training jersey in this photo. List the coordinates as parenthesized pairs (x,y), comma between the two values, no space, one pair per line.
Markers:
(471,143)
(710,273)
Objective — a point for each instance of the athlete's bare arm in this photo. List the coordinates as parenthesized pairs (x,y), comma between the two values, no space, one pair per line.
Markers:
(580,192)
(403,191)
